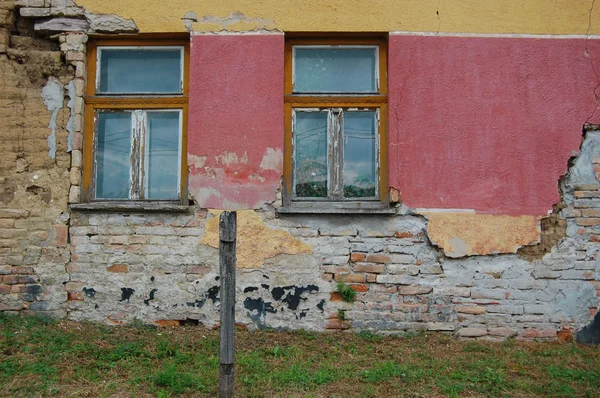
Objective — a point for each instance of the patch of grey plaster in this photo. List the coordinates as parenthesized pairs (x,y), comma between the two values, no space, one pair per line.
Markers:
(572,300)
(237,17)
(459,247)
(582,170)
(52,94)
(71,121)
(110,23)
(188,20)
(61,25)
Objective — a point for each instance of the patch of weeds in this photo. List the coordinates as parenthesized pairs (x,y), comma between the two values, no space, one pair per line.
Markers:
(368,335)
(165,350)
(177,382)
(382,372)
(302,377)
(476,347)
(348,294)
(342,315)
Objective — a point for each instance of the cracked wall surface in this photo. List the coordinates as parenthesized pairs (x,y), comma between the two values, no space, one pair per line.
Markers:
(477,16)
(474,166)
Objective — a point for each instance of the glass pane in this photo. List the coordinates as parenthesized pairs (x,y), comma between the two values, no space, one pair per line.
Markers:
(113,155)
(335,70)
(310,146)
(162,155)
(360,154)
(140,71)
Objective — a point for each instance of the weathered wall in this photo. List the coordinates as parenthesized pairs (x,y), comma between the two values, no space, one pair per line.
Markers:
(34,169)
(487,123)
(480,126)
(236,120)
(475,16)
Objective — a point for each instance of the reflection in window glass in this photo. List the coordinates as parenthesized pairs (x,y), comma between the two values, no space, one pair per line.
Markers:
(360,150)
(162,155)
(113,155)
(335,70)
(310,147)
(140,71)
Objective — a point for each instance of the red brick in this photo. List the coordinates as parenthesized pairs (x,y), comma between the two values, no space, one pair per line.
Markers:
(356,278)
(470,310)
(532,333)
(370,268)
(74,296)
(414,290)
(357,257)
(379,258)
(4,289)
(121,268)
(403,235)
(167,323)
(61,233)
(588,222)
(10,279)
(335,296)
(566,334)
(337,324)
(359,287)
(371,278)
(327,277)
(22,270)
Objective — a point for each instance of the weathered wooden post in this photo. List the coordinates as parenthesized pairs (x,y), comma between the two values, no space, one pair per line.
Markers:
(227,235)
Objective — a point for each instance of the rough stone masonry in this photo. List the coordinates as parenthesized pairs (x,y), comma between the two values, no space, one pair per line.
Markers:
(116,267)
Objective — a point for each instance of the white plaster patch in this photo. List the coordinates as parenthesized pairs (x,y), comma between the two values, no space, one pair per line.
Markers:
(272,160)
(229,158)
(52,94)
(196,161)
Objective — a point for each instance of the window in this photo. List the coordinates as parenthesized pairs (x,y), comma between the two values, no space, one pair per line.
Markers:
(136,117)
(336,112)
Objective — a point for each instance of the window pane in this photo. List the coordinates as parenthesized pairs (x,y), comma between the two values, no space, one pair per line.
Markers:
(140,71)
(335,70)
(113,155)
(360,154)
(310,146)
(162,155)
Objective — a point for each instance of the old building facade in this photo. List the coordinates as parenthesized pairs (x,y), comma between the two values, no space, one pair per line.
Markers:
(441,159)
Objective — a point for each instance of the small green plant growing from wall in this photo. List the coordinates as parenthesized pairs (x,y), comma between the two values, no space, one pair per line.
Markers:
(347,293)
(342,315)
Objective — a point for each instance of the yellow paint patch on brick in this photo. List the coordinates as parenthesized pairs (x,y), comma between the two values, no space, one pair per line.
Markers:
(255,241)
(469,234)
(452,16)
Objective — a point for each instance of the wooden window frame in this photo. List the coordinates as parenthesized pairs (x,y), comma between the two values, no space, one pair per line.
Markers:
(378,101)
(130,102)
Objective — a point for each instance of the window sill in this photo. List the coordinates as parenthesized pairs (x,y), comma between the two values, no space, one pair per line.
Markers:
(145,207)
(337,208)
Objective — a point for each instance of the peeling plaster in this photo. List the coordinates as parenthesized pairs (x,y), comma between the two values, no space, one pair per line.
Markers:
(71,121)
(465,234)
(272,160)
(229,158)
(52,94)
(235,21)
(255,241)
(195,161)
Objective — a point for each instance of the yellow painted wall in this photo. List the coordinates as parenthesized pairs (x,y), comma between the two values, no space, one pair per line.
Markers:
(457,16)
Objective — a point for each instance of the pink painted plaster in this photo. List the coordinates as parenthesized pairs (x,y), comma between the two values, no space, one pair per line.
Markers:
(487,123)
(235,131)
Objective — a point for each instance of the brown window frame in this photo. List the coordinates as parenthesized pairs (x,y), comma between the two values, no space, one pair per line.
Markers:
(377,101)
(95,101)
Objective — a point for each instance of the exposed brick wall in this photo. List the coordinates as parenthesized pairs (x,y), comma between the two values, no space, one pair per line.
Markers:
(33,186)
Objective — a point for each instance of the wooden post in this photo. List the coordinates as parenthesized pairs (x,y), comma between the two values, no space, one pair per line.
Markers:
(227,235)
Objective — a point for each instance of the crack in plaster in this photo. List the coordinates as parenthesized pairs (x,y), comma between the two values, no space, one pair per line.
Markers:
(71,121)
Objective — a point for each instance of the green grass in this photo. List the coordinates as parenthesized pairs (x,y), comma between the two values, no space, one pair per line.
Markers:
(40,357)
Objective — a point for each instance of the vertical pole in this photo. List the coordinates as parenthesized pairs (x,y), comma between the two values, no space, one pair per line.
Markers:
(227,235)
